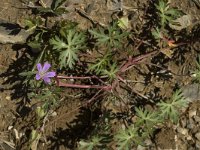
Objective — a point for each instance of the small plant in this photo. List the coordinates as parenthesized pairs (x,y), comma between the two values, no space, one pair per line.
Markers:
(166,14)
(63,45)
(147,120)
(111,38)
(67,46)
(95,142)
(126,138)
(162,35)
(100,64)
(111,72)
(170,108)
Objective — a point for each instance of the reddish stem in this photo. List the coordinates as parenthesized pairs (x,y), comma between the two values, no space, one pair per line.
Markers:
(135,60)
(106,87)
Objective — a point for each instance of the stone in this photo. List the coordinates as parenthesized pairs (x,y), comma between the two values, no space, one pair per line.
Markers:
(148,142)
(191,92)
(183,122)
(183,131)
(53,114)
(192,113)
(197,119)
(16,133)
(197,144)
(141,147)
(190,123)
(189,138)
(8,98)
(197,135)
(182,22)
(139,87)
(12,33)
(10,127)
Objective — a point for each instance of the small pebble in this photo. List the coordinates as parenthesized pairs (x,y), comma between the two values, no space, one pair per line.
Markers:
(141,147)
(6,78)
(183,131)
(197,135)
(21,134)
(192,113)
(190,148)
(53,114)
(16,133)
(183,122)
(10,127)
(191,92)
(139,87)
(197,144)
(148,142)
(189,138)
(197,118)
(190,124)
(8,98)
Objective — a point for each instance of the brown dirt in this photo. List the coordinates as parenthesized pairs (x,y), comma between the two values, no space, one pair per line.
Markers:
(71,122)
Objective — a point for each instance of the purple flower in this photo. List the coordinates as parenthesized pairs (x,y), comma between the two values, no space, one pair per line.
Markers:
(43,72)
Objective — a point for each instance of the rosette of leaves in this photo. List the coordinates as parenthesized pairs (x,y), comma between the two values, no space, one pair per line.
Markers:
(100,64)
(166,14)
(147,119)
(126,138)
(103,66)
(68,44)
(94,143)
(170,108)
(111,37)
(111,72)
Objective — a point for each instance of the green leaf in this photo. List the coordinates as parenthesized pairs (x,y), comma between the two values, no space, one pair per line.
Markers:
(60,11)
(123,23)
(44,10)
(146,117)
(28,73)
(58,43)
(157,33)
(40,112)
(111,37)
(166,14)
(111,72)
(100,65)
(170,108)
(125,138)
(95,142)
(56,4)
(35,45)
(32,24)
(68,47)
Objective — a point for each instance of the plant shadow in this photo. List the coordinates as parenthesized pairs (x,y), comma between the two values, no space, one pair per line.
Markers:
(14,81)
(79,128)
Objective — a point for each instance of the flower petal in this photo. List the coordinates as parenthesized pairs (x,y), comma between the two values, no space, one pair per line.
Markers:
(37,77)
(50,74)
(39,67)
(46,67)
(46,80)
